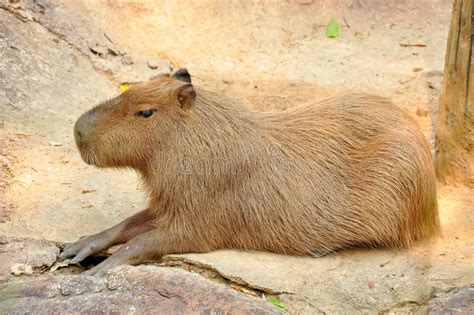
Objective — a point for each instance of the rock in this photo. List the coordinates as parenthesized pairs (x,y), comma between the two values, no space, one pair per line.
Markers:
(339,283)
(459,301)
(143,289)
(21,256)
(76,27)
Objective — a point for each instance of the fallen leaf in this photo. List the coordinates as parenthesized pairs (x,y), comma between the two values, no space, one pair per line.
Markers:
(60,264)
(276,301)
(86,191)
(18,269)
(332,30)
(371,284)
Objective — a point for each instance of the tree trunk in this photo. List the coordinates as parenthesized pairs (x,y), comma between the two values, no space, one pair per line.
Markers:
(455,130)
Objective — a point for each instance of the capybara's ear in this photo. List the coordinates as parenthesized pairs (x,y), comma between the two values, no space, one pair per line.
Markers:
(182,75)
(186,96)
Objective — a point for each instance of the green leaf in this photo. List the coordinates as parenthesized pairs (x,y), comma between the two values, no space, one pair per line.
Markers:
(332,30)
(275,301)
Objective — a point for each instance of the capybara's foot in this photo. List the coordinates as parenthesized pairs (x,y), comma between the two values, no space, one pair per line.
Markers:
(86,246)
(139,249)
(118,234)
(113,261)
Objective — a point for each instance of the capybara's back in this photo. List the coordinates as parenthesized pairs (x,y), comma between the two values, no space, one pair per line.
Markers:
(351,170)
(365,172)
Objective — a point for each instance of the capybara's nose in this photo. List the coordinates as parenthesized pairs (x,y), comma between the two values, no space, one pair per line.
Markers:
(78,135)
(81,127)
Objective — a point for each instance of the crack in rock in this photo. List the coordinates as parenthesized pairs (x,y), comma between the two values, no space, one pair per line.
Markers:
(213,273)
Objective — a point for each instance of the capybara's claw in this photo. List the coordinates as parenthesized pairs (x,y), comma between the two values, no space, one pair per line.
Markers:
(82,255)
(84,247)
(68,251)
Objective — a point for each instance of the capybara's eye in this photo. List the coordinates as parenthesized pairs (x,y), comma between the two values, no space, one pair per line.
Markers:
(146,113)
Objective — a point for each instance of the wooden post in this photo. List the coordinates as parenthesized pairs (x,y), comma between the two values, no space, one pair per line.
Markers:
(455,130)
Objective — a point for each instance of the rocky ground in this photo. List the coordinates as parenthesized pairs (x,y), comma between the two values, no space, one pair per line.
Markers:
(59,58)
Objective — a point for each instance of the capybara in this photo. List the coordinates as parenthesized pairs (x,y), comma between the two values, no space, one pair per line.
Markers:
(351,170)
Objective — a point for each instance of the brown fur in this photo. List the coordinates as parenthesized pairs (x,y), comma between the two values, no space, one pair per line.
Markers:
(351,170)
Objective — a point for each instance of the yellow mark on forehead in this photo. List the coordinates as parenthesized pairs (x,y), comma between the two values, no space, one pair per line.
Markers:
(123,87)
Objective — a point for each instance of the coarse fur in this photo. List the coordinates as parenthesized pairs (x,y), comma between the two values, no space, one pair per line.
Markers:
(350,170)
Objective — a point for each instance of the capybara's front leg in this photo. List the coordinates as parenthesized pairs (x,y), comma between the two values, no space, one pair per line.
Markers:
(118,234)
(144,247)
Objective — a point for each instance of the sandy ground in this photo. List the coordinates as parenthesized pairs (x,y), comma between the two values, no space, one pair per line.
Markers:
(271,58)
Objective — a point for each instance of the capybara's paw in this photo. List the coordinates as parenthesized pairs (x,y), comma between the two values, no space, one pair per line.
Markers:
(84,247)
(139,249)
(111,262)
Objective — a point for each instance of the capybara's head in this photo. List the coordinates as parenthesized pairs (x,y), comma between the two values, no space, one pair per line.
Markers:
(127,130)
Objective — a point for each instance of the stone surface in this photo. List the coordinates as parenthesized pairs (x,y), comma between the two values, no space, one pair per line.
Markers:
(143,290)
(160,289)
(86,35)
(38,254)
(459,301)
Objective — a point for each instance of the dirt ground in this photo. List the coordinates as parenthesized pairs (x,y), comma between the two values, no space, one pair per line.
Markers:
(59,58)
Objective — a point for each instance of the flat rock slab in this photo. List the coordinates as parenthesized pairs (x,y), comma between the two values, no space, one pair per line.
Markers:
(142,289)
(145,289)
(156,289)
(368,281)
(459,301)
(33,254)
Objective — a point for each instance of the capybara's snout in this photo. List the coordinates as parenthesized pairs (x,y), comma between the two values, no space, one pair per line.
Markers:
(83,129)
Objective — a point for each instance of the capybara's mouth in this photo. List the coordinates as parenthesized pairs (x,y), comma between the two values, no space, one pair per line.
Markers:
(87,159)
(87,155)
